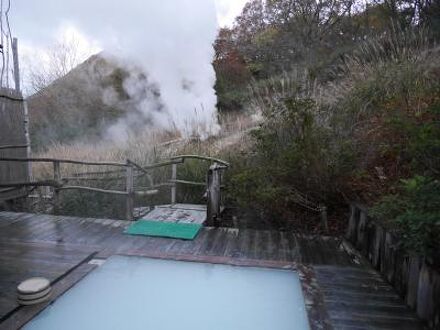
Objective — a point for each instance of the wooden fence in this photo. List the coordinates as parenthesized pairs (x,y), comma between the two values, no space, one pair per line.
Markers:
(129,171)
(414,277)
(13,142)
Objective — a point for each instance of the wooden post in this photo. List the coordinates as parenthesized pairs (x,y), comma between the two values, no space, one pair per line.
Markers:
(174,185)
(16,64)
(351,234)
(324,218)
(214,194)
(57,178)
(28,139)
(26,112)
(130,192)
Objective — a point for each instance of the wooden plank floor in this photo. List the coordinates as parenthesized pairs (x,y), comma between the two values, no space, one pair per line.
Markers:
(51,245)
(107,236)
(358,298)
(20,261)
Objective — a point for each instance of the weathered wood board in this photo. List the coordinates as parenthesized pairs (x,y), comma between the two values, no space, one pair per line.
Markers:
(12,132)
(21,260)
(417,281)
(59,243)
(356,297)
(178,213)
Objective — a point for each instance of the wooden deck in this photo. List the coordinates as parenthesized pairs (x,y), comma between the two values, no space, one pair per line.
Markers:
(60,248)
(358,298)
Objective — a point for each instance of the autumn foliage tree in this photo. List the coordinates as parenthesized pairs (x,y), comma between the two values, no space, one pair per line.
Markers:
(232,71)
(274,36)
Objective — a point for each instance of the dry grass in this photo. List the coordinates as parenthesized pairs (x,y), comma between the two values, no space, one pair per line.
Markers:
(403,63)
(144,150)
(149,147)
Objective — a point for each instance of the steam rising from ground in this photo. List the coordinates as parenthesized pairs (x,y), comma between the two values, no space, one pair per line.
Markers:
(170,41)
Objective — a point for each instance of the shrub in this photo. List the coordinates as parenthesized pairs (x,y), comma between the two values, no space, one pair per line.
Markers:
(297,163)
(415,212)
(352,138)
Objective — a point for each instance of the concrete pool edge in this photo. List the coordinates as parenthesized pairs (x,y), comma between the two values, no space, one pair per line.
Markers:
(313,298)
(25,314)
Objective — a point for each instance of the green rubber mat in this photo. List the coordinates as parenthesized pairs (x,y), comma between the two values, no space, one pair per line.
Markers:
(186,231)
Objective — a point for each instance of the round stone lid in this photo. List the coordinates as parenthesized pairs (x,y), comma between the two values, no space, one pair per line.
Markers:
(33,285)
(34,301)
(34,296)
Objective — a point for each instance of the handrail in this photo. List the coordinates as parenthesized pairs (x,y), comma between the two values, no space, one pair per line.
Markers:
(14,146)
(5,190)
(104,191)
(173,161)
(147,167)
(132,170)
(211,159)
(44,183)
(140,168)
(12,98)
(66,161)
(190,183)
(103,178)
(82,174)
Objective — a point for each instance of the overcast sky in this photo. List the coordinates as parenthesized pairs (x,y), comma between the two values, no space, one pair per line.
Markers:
(227,10)
(39,24)
(170,39)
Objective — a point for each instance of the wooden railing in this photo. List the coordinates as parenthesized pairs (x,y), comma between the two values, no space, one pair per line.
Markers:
(415,276)
(18,172)
(128,172)
(14,146)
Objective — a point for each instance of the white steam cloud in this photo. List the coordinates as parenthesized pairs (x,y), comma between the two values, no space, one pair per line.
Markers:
(170,40)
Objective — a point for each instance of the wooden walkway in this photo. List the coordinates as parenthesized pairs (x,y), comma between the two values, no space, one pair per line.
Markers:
(23,260)
(358,298)
(57,247)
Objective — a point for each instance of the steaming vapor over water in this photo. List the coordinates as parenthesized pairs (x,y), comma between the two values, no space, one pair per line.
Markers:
(169,40)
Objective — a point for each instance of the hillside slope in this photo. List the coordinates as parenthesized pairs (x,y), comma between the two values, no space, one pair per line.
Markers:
(84,103)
